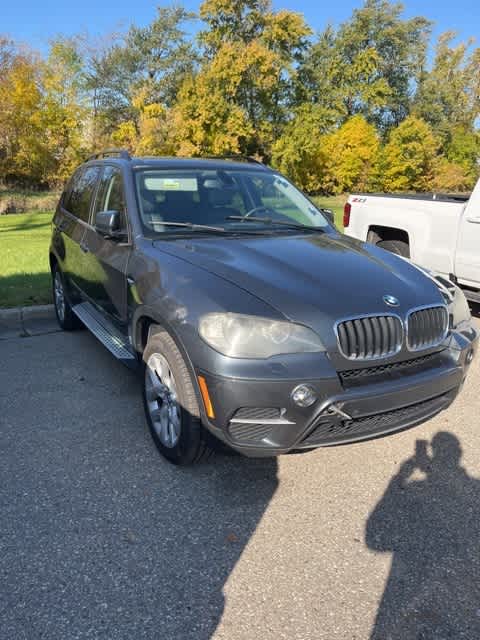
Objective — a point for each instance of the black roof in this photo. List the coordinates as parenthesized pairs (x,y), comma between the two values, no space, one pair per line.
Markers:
(174,162)
(196,163)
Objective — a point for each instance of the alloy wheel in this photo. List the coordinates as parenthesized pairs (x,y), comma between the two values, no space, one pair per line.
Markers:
(161,395)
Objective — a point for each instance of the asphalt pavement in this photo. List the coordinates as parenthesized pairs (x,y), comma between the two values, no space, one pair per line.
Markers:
(101,538)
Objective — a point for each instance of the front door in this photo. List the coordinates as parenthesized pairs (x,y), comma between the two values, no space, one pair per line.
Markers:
(107,259)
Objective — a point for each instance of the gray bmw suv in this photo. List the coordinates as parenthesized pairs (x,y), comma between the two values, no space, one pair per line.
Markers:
(253,320)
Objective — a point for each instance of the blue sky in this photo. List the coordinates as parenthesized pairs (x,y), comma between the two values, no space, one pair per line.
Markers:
(35,21)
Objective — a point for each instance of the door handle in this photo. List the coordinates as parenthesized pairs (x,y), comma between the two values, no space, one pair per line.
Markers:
(474,219)
(84,247)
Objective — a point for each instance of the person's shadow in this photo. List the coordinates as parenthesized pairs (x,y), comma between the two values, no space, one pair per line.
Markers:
(432,528)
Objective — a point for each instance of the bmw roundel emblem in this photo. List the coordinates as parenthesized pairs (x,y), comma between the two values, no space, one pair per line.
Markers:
(391,301)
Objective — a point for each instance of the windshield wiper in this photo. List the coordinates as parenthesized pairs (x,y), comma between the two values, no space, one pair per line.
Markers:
(205,227)
(191,225)
(272,221)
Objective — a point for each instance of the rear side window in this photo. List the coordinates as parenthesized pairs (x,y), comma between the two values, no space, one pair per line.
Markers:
(80,192)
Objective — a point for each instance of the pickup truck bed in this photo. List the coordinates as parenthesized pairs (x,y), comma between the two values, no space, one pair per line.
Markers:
(438,231)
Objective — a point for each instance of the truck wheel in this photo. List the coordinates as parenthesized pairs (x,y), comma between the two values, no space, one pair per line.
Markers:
(67,320)
(170,403)
(398,247)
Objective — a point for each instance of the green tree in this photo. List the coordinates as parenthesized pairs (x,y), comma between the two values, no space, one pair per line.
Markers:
(151,61)
(299,151)
(448,98)
(368,66)
(240,98)
(409,159)
(449,94)
(463,149)
(163,54)
(252,81)
(63,110)
(109,70)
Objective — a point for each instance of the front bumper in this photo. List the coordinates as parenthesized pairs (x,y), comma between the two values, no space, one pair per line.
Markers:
(257,417)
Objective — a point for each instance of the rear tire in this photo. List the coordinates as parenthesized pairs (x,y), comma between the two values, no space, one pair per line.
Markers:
(67,320)
(170,402)
(398,247)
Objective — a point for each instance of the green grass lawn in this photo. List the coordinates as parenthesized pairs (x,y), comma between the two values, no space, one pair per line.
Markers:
(335,203)
(24,269)
(24,241)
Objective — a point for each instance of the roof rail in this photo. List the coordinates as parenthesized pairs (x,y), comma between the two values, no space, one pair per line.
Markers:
(121,153)
(238,157)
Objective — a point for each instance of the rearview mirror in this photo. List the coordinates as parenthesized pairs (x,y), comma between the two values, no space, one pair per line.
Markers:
(107,223)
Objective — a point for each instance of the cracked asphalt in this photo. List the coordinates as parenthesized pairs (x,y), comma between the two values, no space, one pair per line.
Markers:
(101,538)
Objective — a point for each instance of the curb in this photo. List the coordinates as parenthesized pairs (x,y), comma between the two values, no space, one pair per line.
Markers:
(22,322)
(34,311)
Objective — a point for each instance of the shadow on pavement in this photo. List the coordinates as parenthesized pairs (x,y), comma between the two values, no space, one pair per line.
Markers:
(99,536)
(432,528)
(208,536)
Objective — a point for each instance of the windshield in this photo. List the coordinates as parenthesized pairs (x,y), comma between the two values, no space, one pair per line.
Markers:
(227,199)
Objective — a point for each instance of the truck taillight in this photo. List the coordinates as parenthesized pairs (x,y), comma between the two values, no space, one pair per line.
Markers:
(346,214)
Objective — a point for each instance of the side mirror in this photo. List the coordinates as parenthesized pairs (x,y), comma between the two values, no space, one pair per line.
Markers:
(329,215)
(107,223)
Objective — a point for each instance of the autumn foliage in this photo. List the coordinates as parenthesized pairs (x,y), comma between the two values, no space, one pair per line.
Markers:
(358,107)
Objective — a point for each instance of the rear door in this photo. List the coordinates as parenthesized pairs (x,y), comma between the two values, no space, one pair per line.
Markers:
(467,258)
(107,259)
(74,221)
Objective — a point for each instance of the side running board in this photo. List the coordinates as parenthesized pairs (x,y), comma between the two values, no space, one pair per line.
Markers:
(108,335)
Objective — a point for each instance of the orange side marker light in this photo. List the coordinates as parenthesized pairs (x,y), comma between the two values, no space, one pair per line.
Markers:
(206,397)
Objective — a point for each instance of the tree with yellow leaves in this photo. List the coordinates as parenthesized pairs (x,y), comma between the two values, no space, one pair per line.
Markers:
(351,156)
(238,100)
(409,159)
(22,151)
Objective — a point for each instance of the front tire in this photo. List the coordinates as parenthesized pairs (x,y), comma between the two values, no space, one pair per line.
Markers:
(170,402)
(67,320)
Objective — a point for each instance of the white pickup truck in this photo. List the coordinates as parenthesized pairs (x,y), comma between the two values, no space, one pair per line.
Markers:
(439,232)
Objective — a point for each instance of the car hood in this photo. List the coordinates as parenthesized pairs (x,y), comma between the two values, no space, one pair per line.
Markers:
(314,278)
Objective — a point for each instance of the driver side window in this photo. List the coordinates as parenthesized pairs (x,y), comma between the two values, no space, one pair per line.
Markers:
(111,194)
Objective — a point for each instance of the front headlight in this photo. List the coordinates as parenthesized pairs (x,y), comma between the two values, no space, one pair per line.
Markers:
(241,336)
(459,309)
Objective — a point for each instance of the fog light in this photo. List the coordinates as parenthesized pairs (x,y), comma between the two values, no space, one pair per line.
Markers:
(469,357)
(304,395)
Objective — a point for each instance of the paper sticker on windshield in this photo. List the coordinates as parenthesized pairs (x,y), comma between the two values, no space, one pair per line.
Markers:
(171,184)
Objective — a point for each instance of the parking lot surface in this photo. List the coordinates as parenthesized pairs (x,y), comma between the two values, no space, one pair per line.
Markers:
(101,538)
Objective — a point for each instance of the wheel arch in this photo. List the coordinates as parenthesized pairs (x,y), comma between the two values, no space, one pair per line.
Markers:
(146,322)
(379,233)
